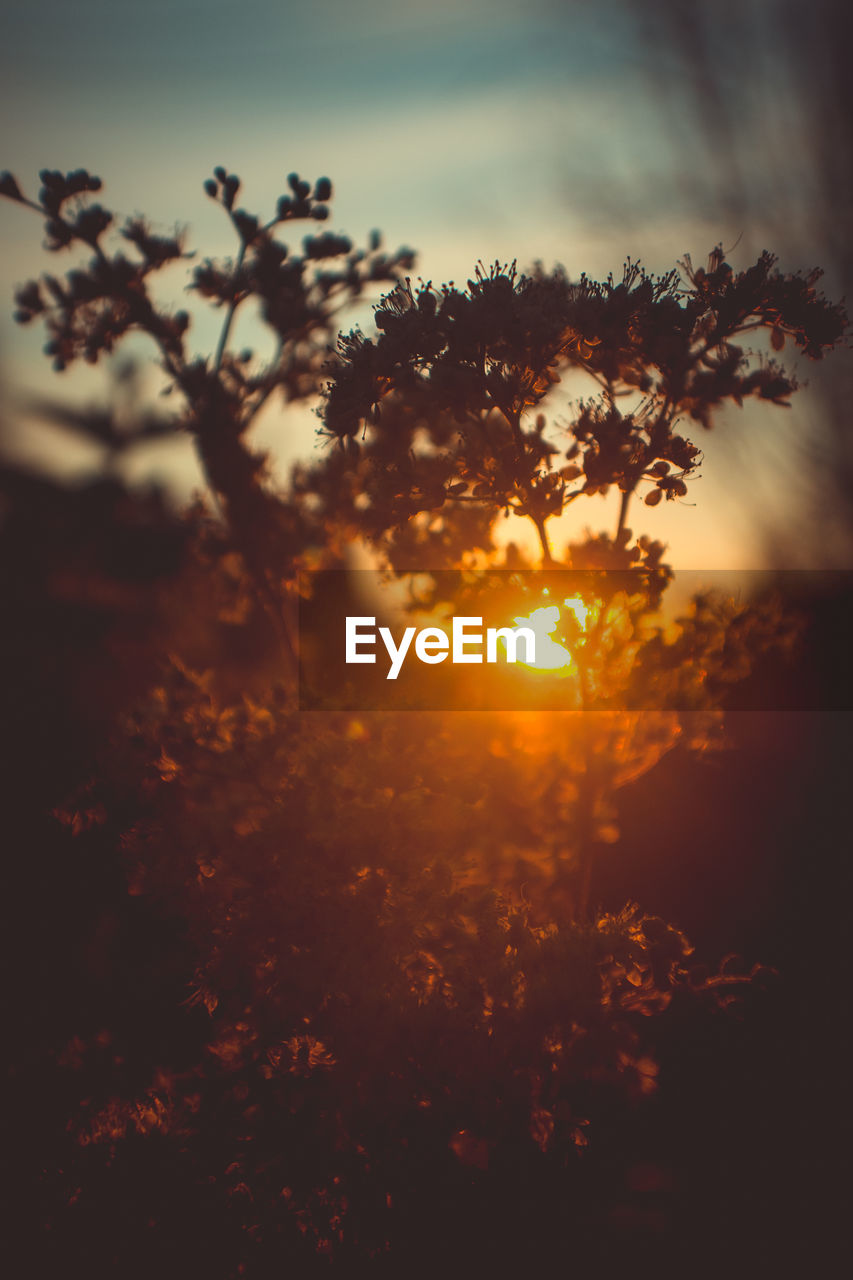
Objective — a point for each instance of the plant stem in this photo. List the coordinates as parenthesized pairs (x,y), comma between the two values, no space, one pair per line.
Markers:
(547,558)
(229,317)
(623,512)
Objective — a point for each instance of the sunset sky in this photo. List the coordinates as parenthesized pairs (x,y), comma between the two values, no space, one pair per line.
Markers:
(484,129)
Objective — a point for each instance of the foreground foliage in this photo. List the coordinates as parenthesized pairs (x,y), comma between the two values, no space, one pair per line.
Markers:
(376,995)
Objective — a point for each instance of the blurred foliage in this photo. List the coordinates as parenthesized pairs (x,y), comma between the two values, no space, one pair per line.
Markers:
(325,988)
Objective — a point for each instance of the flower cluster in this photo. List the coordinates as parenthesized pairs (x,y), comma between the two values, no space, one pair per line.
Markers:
(472,368)
(300,295)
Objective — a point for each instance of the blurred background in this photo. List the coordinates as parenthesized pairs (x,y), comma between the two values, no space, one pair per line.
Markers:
(558,131)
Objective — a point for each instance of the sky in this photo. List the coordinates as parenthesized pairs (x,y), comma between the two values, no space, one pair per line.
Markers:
(475,129)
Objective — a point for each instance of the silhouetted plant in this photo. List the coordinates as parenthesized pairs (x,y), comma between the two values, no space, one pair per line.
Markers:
(401,1004)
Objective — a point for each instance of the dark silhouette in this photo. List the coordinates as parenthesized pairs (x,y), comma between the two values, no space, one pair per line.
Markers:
(343,991)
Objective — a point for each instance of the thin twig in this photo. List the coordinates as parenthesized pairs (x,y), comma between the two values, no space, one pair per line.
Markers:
(229,317)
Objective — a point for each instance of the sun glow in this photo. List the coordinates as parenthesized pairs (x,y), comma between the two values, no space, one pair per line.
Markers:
(550,654)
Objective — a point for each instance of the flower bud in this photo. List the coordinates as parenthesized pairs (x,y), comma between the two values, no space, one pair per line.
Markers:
(9,187)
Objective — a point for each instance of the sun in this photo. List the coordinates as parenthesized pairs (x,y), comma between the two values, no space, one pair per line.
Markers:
(552,656)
